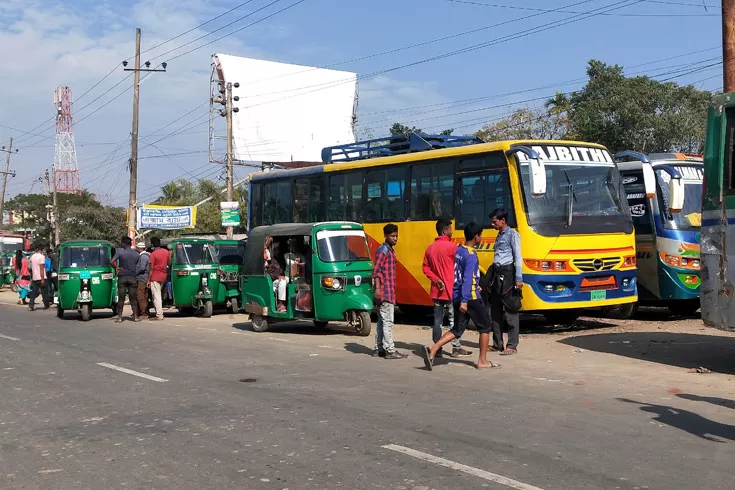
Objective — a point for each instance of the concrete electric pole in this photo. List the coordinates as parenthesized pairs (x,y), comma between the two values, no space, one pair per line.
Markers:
(7,172)
(55,211)
(230,190)
(132,201)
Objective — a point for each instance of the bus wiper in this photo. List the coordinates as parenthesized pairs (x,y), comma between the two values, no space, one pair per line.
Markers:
(572,198)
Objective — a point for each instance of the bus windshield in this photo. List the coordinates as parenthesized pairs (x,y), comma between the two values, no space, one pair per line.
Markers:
(342,245)
(85,257)
(594,194)
(230,254)
(690,216)
(194,253)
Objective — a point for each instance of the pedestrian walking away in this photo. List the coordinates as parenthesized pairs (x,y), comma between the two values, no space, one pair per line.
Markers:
(126,262)
(506,283)
(142,276)
(439,268)
(467,300)
(38,279)
(384,277)
(158,267)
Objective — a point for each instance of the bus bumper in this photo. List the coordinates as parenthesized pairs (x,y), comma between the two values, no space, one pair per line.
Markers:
(562,291)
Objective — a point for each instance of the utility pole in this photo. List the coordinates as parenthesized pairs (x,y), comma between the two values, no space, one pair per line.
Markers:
(55,211)
(7,172)
(49,208)
(132,201)
(228,110)
(728,44)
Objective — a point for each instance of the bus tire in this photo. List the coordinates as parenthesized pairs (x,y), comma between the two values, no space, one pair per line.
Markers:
(320,324)
(562,317)
(620,312)
(259,323)
(208,308)
(86,312)
(59,312)
(363,324)
(684,308)
(234,305)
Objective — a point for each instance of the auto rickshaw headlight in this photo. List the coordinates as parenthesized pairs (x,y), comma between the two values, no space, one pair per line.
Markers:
(333,283)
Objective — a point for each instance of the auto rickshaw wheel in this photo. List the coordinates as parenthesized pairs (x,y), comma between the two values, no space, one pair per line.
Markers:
(86,312)
(207,309)
(234,306)
(363,323)
(259,323)
(59,312)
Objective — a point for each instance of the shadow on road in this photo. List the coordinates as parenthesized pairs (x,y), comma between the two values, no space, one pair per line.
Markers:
(675,349)
(687,421)
(299,328)
(721,402)
(649,314)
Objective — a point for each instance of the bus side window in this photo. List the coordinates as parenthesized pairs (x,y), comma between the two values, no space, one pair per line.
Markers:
(256,203)
(386,194)
(432,190)
(480,194)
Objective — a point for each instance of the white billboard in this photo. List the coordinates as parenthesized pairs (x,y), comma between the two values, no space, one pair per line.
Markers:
(288,112)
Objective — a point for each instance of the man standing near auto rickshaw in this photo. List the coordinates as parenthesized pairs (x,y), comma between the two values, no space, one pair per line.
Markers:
(38,279)
(158,265)
(126,261)
(142,276)
(384,275)
(506,282)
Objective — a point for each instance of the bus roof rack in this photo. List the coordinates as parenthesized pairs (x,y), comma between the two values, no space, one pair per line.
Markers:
(635,155)
(394,145)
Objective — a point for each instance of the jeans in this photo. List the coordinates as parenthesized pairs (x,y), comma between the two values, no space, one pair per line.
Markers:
(36,289)
(157,299)
(500,318)
(384,331)
(436,333)
(130,285)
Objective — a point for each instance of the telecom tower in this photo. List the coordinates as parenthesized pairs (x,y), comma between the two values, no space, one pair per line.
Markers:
(65,152)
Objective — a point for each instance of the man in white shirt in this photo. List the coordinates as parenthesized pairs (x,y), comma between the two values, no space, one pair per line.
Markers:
(38,279)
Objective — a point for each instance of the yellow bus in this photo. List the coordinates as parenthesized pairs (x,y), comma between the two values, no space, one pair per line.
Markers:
(565,199)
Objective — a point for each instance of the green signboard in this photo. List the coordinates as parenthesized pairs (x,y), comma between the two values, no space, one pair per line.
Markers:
(230,213)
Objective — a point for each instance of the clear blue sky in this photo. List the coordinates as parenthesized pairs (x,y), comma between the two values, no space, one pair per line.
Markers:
(78,42)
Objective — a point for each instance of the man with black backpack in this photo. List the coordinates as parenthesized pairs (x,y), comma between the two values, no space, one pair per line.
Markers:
(506,283)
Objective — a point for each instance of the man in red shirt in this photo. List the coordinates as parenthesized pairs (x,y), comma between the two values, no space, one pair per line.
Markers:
(158,264)
(439,268)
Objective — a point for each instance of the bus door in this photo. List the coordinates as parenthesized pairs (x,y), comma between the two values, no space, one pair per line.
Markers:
(645,234)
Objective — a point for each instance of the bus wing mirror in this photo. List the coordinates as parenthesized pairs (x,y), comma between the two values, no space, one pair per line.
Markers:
(676,195)
(536,168)
(649,180)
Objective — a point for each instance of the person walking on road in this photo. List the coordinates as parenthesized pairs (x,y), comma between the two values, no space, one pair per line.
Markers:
(467,300)
(142,277)
(38,279)
(384,276)
(506,284)
(158,267)
(126,261)
(439,268)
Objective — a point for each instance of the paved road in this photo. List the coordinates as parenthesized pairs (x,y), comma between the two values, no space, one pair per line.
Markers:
(223,407)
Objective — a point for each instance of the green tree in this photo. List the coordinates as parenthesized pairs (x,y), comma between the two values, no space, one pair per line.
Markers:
(526,124)
(398,129)
(638,113)
(80,216)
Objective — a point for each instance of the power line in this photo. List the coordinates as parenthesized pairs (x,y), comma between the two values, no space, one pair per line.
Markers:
(515,7)
(665,2)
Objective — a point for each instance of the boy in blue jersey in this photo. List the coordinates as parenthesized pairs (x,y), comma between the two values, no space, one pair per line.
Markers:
(467,300)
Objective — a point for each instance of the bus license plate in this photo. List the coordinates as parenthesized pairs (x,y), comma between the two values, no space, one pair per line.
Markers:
(598,295)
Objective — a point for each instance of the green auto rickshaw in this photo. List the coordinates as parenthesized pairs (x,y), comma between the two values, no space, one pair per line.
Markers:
(327,275)
(231,257)
(87,279)
(194,275)
(7,269)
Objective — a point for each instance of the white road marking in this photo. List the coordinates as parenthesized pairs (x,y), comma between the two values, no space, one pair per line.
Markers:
(485,475)
(7,337)
(130,371)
